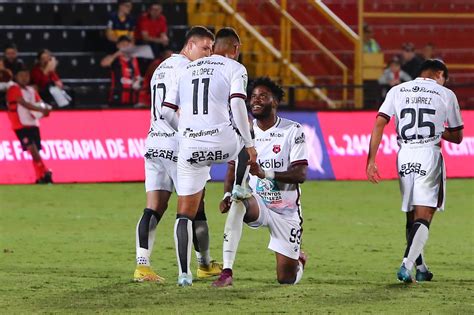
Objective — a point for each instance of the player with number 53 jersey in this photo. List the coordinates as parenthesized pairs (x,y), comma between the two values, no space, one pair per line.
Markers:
(425,112)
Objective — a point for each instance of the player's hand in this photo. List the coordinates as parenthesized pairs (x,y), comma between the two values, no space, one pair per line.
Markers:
(373,172)
(224,205)
(256,170)
(252,155)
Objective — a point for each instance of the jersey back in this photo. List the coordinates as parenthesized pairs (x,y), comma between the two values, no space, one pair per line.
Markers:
(164,80)
(205,89)
(421,108)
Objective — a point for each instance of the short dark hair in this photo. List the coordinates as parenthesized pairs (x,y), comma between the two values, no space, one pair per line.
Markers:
(120,2)
(10,46)
(198,31)
(435,65)
(227,32)
(22,67)
(276,90)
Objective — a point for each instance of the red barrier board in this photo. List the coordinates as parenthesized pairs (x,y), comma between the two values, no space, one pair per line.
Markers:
(80,146)
(347,135)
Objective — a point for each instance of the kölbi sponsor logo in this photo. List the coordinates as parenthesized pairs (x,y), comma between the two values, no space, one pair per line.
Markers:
(271,163)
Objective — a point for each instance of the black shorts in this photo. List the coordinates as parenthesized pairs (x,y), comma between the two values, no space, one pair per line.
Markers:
(28,136)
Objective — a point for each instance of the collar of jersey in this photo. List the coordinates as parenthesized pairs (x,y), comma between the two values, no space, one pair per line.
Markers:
(274,125)
(425,79)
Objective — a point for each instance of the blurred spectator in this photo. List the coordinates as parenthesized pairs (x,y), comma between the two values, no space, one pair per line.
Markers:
(120,23)
(46,80)
(11,60)
(125,74)
(5,76)
(370,44)
(25,108)
(429,52)
(152,29)
(411,63)
(392,76)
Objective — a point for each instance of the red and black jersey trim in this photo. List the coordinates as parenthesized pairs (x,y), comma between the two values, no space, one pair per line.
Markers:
(231,162)
(455,128)
(172,106)
(299,162)
(239,95)
(383,115)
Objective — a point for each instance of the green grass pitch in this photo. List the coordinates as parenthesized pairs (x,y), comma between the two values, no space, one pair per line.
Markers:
(71,249)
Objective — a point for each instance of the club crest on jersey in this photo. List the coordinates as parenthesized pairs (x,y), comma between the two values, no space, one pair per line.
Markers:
(276,148)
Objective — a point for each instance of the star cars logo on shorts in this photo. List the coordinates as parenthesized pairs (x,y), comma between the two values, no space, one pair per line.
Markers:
(409,168)
(276,148)
(160,153)
(201,156)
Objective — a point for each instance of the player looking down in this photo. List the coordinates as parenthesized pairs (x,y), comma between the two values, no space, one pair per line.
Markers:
(281,167)
(160,163)
(425,112)
(211,90)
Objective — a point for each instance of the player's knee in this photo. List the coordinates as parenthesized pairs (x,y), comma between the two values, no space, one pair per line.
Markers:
(286,278)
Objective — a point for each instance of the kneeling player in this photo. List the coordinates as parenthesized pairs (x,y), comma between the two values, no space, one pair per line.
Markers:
(275,203)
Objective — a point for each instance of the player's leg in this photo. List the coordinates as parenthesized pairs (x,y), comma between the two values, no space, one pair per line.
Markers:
(156,205)
(421,266)
(206,266)
(31,141)
(183,234)
(289,271)
(240,190)
(240,211)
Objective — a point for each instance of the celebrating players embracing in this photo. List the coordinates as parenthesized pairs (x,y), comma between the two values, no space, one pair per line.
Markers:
(208,88)
(421,107)
(161,158)
(281,166)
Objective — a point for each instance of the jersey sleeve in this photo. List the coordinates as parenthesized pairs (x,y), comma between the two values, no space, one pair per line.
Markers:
(172,94)
(298,149)
(238,84)
(13,94)
(454,118)
(387,110)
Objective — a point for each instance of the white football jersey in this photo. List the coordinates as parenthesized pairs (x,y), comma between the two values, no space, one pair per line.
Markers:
(163,81)
(422,108)
(279,147)
(204,91)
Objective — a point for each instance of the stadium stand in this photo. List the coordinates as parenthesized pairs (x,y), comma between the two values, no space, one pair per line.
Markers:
(74,32)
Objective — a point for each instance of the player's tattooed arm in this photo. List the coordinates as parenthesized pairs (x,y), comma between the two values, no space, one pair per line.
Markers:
(295,174)
(375,139)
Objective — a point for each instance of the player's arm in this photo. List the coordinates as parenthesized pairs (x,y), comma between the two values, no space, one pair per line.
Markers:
(229,179)
(295,174)
(453,135)
(454,131)
(109,59)
(376,137)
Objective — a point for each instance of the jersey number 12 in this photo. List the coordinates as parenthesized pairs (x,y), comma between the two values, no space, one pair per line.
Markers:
(205,95)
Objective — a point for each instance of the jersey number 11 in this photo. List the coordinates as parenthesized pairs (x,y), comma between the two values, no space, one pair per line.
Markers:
(205,95)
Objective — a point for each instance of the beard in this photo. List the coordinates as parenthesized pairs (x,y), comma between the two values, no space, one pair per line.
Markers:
(265,113)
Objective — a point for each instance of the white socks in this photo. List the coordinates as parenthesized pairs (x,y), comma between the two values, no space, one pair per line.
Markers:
(417,244)
(183,239)
(233,232)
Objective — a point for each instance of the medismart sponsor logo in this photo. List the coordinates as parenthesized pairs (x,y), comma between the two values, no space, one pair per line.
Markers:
(201,133)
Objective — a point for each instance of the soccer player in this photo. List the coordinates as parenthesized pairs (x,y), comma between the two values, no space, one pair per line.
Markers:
(160,163)
(207,89)
(25,108)
(281,167)
(422,108)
